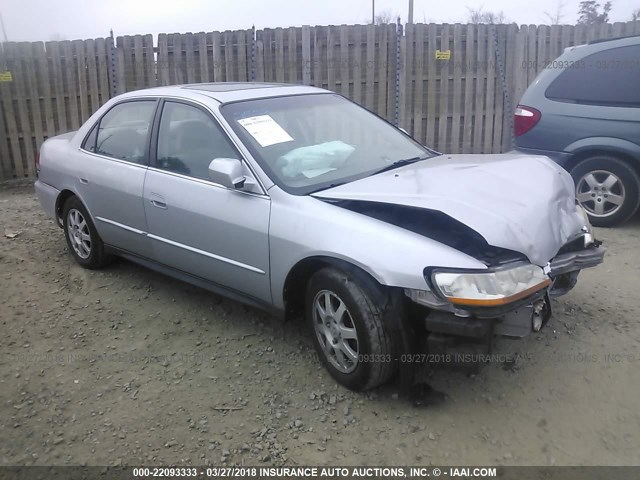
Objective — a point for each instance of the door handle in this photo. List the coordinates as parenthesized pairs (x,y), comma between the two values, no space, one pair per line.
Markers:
(84,180)
(159,204)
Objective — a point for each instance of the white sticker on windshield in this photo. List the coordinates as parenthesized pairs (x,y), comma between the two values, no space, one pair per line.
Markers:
(265,130)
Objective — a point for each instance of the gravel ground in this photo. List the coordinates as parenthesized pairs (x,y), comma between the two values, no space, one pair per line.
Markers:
(126,366)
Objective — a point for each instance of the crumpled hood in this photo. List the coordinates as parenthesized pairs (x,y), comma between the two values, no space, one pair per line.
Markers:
(522,203)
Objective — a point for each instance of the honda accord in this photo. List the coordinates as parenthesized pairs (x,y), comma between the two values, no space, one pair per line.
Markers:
(297,200)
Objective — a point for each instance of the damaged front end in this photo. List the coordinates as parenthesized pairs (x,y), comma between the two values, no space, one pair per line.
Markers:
(514,297)
(460,311)
(459,334)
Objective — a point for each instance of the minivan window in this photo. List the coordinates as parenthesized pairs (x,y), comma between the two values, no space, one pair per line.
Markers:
(123,130)
(607,78)
(189,139)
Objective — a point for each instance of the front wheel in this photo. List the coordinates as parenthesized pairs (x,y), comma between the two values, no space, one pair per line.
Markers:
(608,189)
(349,331)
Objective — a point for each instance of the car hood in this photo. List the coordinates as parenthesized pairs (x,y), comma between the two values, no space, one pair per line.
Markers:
(518,202)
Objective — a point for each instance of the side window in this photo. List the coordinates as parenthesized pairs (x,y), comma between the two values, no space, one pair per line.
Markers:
(610,77)
(123,130)
(189,139)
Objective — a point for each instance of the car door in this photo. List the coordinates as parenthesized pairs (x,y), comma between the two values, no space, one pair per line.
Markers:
(197,226)
(111,181)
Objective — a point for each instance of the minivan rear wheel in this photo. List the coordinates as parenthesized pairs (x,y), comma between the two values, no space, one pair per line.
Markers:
(608,188)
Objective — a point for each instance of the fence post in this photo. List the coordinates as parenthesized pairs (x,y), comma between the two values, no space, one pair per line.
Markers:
(396,110)
(253,53)
(112,66)
(503,82)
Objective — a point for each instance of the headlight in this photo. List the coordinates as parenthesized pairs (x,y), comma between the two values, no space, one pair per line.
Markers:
(491,288)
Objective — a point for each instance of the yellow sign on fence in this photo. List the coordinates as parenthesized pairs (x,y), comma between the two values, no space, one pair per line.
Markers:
(443,54)
(6,77)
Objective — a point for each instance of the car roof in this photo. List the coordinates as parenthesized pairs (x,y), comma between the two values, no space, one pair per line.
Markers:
(225,92)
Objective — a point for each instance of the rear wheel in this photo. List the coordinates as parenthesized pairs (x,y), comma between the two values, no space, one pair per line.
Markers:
(608,188)
(82,237)
(349,331)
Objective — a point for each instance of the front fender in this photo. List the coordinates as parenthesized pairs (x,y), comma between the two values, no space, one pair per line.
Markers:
(304,227)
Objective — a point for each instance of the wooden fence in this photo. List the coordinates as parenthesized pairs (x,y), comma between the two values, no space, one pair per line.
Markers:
(53,87)
(453,87)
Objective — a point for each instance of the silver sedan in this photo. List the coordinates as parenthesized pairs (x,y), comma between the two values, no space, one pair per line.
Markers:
(297,200)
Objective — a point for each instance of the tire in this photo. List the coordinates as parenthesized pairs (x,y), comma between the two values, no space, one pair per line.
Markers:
(374,348)
(601,178)
(83,240)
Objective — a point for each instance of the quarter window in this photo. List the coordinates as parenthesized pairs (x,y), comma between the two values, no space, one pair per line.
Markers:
(189,139)
(90,141)
(608,78)
(123,130)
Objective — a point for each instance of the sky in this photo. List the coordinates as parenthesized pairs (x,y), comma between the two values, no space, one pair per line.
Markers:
(29,20)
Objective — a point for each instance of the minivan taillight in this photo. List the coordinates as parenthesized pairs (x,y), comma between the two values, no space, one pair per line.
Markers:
(37,161)
(525,119)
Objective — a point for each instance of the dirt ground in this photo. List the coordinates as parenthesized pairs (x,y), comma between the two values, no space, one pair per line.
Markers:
(126,366)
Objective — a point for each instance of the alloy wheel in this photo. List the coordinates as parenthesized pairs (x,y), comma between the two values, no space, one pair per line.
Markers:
(600,192)
(79,235)
(335,331)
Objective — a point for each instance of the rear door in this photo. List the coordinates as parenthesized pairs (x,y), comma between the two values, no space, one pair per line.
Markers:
(195,225)
(111,181)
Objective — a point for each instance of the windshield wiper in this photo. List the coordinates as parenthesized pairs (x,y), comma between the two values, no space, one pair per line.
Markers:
(326,187)
(391,166)
(400,163)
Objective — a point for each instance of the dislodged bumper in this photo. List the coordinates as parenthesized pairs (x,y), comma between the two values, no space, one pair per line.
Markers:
(573,261)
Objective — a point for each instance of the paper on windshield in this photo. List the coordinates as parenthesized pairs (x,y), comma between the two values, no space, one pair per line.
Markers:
(265,130)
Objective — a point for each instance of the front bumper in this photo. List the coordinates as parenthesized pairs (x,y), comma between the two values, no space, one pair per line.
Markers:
(565,267)
(525,316)
(516,323)
(576,260)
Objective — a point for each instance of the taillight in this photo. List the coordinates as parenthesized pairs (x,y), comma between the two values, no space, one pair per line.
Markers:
(37,162)
(525,119)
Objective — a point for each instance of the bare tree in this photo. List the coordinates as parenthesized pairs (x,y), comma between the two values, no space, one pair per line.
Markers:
(635,16)
(478,15)
(589,12)
(385,17)
(556,17)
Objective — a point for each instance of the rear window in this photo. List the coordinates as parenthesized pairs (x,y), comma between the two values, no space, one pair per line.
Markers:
(610,77)
(123,131)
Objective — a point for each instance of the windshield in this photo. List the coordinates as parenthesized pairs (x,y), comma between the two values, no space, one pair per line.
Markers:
(309,142)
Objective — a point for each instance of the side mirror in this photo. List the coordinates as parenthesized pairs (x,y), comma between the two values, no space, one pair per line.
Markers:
(227,172)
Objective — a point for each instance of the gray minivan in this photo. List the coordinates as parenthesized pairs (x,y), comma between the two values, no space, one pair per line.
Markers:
(583,111)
